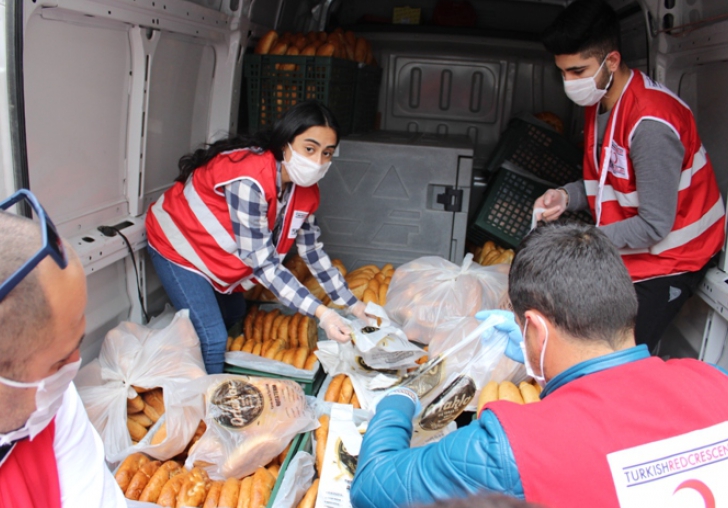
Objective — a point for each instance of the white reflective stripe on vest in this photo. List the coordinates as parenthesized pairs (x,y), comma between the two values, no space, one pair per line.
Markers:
(630,199)
(700,159)
(179,243)
(208,220)
(682,236)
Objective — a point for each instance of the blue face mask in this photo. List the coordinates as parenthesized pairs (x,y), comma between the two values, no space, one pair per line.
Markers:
(541,380)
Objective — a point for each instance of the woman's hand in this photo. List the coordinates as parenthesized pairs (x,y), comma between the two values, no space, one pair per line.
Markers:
(331,323)
(554,201)
(359,312)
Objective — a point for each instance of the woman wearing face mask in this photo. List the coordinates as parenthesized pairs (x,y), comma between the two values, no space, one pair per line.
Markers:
(648,181)
(235,210)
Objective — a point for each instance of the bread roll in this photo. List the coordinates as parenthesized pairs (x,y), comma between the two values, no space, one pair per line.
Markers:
(261,488)
(266,43)
(140,480)
(355,401)
(246,488)
(299,360)
(160,435)
(288,356)
(237,344)
(310,361)
(135,405)
(213,495)
(360,50)
(276,325)
(268,323)
(509,391)
(300,42)
(248,323)
(194,489)
(229,493)
(136,431)
(327,49)
(141,419)
(283,329)
(309,50)
(279,355)
(248,346)
(293,330)
(274,469)
(321,434)
(152,413)
(383,288)
(128,469)
(257,348)
(170,490)
(528,392)
(309,498)
(370,296)
(307,334)
(155,399)
(347,391)
(158,480)
(489,393)
(332,393)
(279,48)
(258,326)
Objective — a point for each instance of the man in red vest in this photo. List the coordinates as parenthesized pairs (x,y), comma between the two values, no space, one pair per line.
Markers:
(50,454)
(615,427)
(648,180)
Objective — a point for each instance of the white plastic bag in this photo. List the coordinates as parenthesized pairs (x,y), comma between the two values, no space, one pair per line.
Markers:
(296,481)
(250,420)
(134,355)
(428,291)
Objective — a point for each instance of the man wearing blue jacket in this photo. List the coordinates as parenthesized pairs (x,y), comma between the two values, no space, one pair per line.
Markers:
(615,426)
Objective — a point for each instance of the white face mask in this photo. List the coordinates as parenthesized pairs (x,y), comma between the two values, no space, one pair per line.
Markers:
(48,399)
(303,171)
(584,91)
(541,380)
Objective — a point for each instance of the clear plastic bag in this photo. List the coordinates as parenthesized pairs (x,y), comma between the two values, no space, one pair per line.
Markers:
(135,355)
(250,420)
(429,291)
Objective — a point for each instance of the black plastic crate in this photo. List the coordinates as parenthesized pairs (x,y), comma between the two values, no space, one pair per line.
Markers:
(535,148)
(275,83)
(507,210)
(366,98)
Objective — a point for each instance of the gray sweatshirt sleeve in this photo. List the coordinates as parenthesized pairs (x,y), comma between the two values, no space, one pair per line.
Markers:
(657,155)
(577,196)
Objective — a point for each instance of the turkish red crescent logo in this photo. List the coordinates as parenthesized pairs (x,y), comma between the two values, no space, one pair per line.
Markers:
(701,489)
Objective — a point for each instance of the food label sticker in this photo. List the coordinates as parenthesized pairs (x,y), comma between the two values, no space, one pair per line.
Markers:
(686,471)
(618,163)
(296,222)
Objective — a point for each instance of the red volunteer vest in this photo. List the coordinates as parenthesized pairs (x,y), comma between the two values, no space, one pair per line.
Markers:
(190,224)
(561,443)
(698,231)
(29,475)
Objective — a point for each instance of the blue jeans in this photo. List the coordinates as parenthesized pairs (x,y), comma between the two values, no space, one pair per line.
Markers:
(212,313)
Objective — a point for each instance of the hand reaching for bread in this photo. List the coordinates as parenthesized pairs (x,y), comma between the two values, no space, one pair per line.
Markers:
(334,326)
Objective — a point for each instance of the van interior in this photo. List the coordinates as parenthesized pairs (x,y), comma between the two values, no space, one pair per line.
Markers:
(102,97)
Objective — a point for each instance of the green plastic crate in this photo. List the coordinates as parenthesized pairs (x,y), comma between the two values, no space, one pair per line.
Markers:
(366,98)
(300,442)
(507,210)
(533,147)
(275,83)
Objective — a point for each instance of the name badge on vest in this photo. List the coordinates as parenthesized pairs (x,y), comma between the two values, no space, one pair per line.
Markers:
(618,163)
(684,471)
(296,223)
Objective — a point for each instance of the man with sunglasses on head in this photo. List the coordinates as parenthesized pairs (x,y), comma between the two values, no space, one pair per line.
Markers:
(50,454)
(648,181)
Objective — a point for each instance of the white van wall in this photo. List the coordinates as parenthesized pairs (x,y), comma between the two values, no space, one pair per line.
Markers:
(115,92)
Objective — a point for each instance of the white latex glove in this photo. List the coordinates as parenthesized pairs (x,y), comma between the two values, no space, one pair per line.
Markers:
(359,311)
(335,328)
(554,201)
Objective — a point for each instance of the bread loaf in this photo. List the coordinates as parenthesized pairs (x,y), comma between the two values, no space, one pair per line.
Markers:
(136,431)
(261,488)
(246,489)
(321,434)
(489,393)
(154,487)
(528,392)
(160,435)
(213,495)
(309,498)
(194,488)
(347,391)
(170,490)
(509,391)
(140,480)
(334,389)
(266,43)
(134,405)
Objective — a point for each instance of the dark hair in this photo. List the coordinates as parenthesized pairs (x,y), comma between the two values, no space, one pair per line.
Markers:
(481,501)
(296,120)
(587,27)
(572,274)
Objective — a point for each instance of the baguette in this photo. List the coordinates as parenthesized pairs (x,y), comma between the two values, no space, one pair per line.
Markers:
(261,488)
(246,485)
(141,419)
(383,288)
(309,499)
(509,391)
(321,434)
(128,469)
(141,479)
(274,469)
(213,495)
(332,393)
(370,296)
(347,391)
(489,393)
(528,392)
(155,399)
(170,490)
(158,480)
(355,401)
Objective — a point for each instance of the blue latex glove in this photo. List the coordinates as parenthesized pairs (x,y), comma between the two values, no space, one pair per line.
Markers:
(510,328)
(401,391)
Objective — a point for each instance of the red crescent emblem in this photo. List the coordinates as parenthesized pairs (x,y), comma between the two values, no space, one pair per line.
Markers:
(701,489)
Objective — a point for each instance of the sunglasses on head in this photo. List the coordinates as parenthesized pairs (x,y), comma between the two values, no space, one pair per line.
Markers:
(51,241)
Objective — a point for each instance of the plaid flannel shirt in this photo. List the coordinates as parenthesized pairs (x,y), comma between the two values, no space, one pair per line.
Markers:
(249,214)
